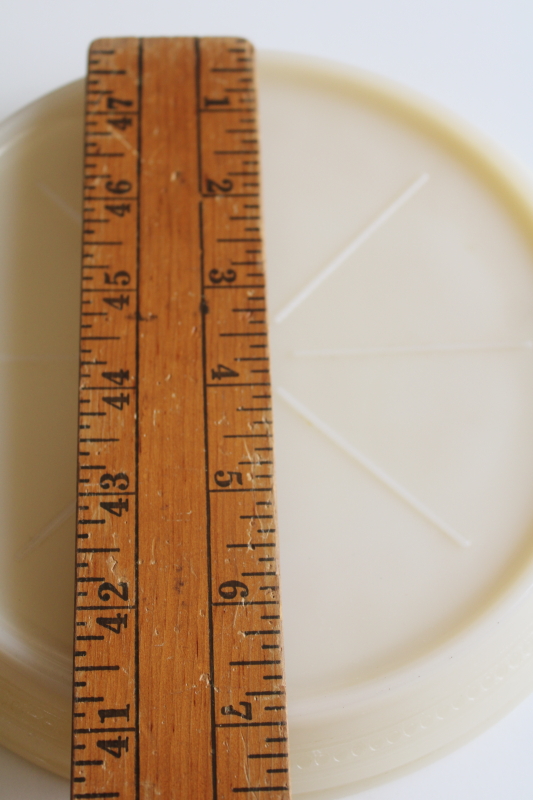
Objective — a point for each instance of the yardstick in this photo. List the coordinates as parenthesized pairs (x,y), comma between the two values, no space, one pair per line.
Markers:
(178,675)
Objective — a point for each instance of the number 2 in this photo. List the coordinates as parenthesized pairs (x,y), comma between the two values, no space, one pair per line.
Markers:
(225,185)
(105,588)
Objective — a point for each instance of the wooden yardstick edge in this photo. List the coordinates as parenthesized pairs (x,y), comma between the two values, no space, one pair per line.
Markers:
(179,687)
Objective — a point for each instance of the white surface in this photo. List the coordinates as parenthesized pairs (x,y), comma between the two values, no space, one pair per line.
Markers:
(418,444)
(474,57)
(472,773)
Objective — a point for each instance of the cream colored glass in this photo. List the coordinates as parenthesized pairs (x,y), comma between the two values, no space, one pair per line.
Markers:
(401,298)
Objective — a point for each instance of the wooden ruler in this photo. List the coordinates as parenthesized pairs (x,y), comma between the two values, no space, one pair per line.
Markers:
(178,687)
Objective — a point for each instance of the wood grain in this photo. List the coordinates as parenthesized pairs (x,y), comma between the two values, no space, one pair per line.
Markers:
(179,689)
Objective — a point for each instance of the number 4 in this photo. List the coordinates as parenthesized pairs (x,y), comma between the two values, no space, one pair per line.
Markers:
(113,624)
(113,746)
(223,372)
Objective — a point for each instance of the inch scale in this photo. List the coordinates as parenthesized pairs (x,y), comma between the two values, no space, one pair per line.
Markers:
(178,675)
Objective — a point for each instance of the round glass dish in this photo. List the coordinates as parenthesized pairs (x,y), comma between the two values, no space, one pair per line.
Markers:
(400,260)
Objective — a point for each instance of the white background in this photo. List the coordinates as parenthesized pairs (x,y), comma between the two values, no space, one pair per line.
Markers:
(474,57)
